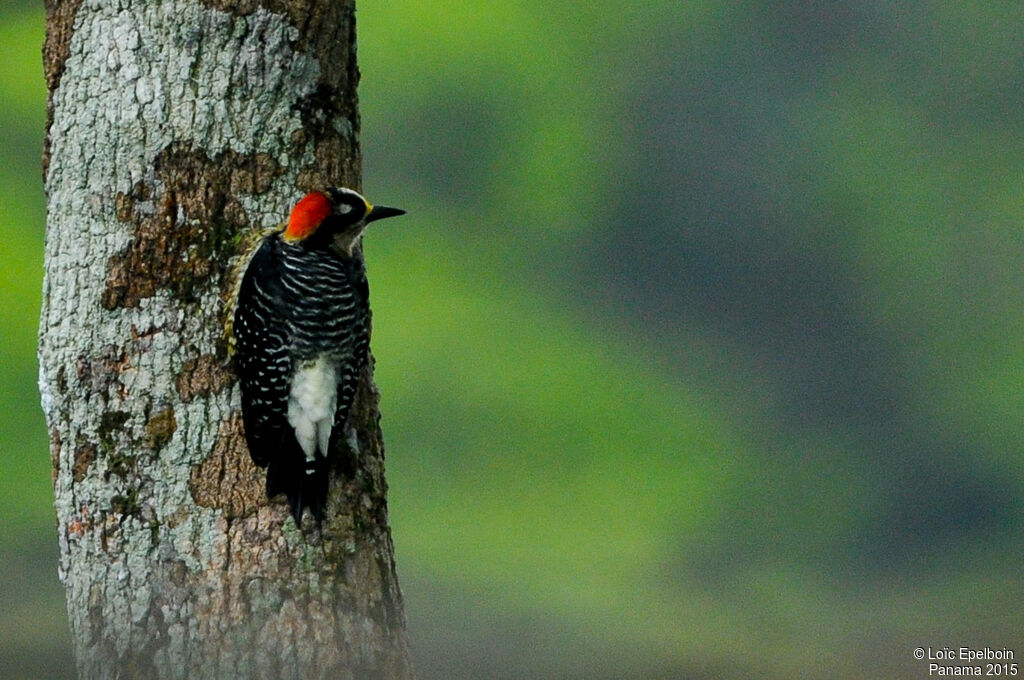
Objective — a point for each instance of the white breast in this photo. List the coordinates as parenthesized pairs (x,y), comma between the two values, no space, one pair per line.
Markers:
(311,404)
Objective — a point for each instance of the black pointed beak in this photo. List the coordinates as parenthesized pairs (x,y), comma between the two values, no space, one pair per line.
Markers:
(379,212)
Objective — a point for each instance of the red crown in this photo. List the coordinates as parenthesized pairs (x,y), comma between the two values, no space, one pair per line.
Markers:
(307,215)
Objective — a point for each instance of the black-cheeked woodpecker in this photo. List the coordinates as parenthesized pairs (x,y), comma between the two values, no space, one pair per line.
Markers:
(301,328)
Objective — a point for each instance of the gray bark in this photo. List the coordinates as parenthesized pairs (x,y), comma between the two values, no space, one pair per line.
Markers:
(175,127)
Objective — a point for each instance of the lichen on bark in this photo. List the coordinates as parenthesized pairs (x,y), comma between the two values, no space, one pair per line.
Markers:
(183,223)
(175,129)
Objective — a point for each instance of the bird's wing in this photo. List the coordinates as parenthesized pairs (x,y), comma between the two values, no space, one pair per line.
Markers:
(261,357)
(265,368)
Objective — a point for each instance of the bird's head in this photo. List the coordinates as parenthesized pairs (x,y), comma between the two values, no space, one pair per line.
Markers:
(334,214)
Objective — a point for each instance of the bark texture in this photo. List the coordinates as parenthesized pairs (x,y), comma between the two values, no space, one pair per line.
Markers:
(175,128)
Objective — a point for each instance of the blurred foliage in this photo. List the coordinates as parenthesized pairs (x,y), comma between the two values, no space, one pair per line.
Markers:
(21,207)
(699,349)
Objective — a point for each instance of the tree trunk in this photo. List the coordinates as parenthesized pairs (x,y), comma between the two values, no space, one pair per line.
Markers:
(175,128)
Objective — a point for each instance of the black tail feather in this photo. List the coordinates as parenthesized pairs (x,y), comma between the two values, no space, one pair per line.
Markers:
(305,484)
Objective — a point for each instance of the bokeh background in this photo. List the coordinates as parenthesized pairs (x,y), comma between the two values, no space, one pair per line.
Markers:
(700,348)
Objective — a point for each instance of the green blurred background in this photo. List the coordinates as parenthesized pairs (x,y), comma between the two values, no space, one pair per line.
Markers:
(700,349)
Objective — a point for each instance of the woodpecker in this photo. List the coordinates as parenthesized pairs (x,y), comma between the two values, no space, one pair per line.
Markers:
(301,332)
